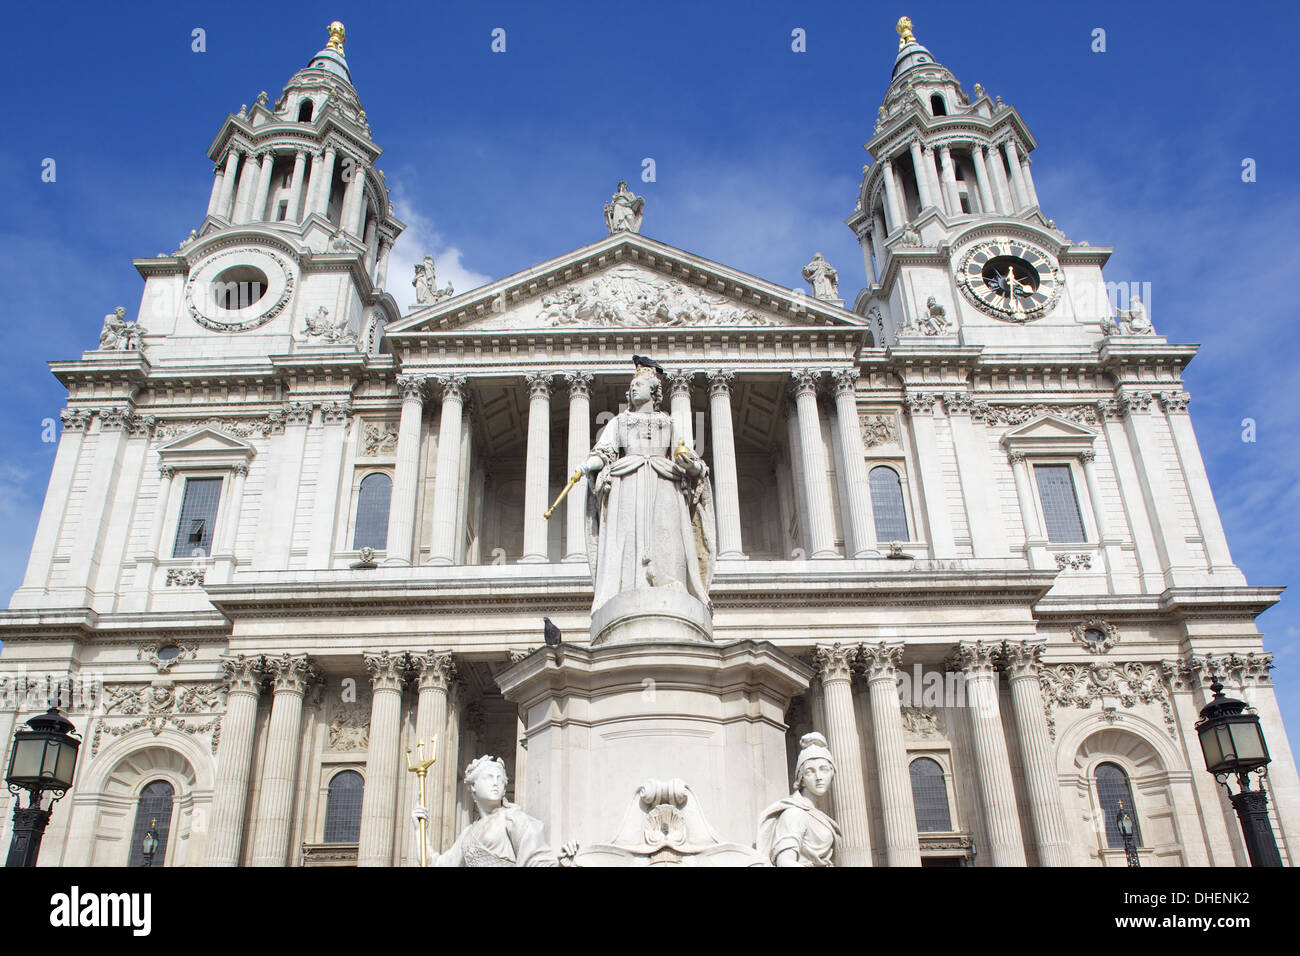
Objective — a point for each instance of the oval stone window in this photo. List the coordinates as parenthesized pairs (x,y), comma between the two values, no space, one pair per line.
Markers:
(238,287)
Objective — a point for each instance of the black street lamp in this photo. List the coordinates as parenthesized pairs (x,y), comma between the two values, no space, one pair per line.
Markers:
(1124,820)
(1233,743)
(150,843)
(44,759)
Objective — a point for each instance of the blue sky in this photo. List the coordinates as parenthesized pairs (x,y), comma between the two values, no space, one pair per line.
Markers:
(499,161)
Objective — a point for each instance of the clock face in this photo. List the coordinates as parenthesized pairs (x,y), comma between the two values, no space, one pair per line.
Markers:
(1010,279)
(238,289)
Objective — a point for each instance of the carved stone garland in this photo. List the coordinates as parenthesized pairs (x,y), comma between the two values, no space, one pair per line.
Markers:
(1079,685)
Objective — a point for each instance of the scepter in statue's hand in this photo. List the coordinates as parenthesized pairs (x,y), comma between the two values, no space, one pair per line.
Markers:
(577,476)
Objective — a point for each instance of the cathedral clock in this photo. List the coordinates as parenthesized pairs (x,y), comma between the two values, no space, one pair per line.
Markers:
(1010,279)
(238,289)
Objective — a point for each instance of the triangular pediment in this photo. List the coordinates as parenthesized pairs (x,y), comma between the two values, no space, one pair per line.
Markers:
(622,282)
(206,440)
(1050,428)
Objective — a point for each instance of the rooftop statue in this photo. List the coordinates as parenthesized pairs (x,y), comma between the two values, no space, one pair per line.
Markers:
(623,211)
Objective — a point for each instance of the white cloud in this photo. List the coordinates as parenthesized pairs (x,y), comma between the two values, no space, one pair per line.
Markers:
(422,238)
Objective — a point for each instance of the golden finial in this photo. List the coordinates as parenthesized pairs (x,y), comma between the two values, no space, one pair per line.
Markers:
(904,28)
(337,37)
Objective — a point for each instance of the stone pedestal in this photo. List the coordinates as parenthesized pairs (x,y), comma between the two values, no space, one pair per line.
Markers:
(651,614)
(600,721)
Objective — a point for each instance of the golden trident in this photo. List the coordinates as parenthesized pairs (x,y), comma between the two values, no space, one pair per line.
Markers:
(420,767)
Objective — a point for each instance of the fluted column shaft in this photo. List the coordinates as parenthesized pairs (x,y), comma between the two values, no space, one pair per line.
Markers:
(446,489)
(922,180)
(537,468)
(353,195)
(381,263)
(401,514)
(1045,809)
(1019,193)
(258,210)
(849,787)
(292,674)
(434,671)
(816,487)
(292,211)
(228,181)
(898,811)
(214,198)
(379,801)
(949,179)
(855,466)
(679,404)
(230,797)
(575,515)
(982,180)
(321,189)
(248,171)
(726,485)
(894,212)
(997,791)
(1001,188)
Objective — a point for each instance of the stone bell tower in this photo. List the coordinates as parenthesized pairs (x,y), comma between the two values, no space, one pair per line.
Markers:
(293,249)
(955,245)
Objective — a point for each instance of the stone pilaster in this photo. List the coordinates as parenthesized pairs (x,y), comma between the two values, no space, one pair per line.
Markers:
(997,791)
(401,513)
(291,675)
(902,845)
(835,664)
(243,677)
(679,403)
(379,804)
(446,489)
(575,520)
(1020,664)
(855,468)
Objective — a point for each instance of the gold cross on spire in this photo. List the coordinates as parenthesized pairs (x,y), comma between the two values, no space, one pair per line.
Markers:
(904,28)
(337,37)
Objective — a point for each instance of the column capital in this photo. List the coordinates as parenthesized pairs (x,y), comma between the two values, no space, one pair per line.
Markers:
(1020,659)
(1130,402)
(719,381)
(455,388)
(679,381)
(805,381)
(539,384)
(434,669)
(336,413)
(387,670)
(291,673)
(168,472)
(919,403)
(1174,401)
(297,413)
(243,675)
(882,659)
(579,383)
(1016,457)
(846,380)
(412,387)
(1087,455)
(976,658)
(75,419)
(835,661)
(239,469)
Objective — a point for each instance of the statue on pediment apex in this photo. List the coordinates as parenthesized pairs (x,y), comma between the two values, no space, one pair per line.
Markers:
(623,211)
(824,278)
(426,284)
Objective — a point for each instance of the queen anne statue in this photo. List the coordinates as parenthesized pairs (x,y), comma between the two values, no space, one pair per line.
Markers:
(649,508)
(796,831)
(502,835)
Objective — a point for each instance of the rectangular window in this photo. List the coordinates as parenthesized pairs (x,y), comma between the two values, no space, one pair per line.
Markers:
(198,518)
(1060,503)
(283,212)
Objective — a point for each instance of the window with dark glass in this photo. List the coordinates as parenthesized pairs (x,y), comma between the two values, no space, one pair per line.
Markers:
(343,808)
(887,504)
(1112,787)
(198,518)
(153,811)
(1060,503)
(372,511)
(930,796)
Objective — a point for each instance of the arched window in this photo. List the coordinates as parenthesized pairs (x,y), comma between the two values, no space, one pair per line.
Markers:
(930,796)
(304,111)
(372,511)
(153,811)
(937,106)
(1112,787)
(887,505)
(343,808)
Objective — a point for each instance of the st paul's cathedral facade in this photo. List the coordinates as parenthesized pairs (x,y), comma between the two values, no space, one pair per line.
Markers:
(961,545)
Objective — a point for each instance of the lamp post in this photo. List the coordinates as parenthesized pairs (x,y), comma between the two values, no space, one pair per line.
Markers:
(43,759)
(1124,820)
(1233,743)
(150,843)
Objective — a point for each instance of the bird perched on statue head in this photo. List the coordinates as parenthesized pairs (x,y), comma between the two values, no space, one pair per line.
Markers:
(551,633)
(641,361)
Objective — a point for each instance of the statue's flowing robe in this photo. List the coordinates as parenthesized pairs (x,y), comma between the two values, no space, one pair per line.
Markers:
(649,524)
(505,837)
(794,823)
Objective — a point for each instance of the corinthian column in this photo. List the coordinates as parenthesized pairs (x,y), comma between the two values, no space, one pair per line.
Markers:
(291,675)
(725,483)
(902,844)
(228,185)
(379,803)
(835,663)
(401,514)
(817,490)
(446,489)
(537,467)
(855,468)
(997,792)
(243,677)
(679,401)
(575,515)
(1021,667)
(434,671)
